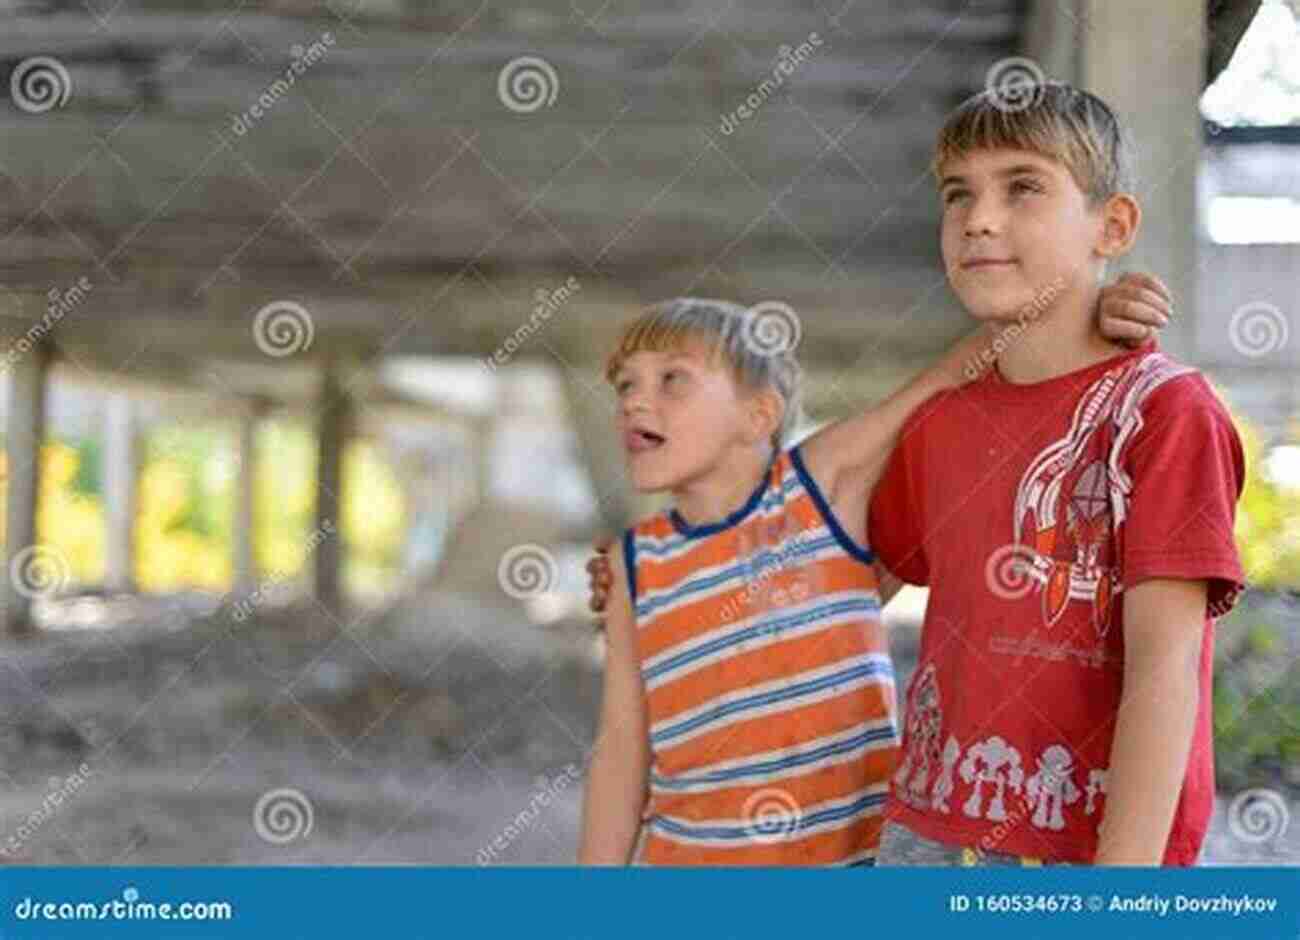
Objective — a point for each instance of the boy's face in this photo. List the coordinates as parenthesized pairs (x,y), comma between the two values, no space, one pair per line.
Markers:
(1017,231)
(677,412)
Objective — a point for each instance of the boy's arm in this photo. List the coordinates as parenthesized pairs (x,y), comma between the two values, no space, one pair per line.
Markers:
(852,452)
(620,761)
(1164,623)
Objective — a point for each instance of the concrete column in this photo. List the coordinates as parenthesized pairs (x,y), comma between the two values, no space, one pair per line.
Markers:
(333,423)
(25,431)
(245,564)
(1148,61)
(120,467)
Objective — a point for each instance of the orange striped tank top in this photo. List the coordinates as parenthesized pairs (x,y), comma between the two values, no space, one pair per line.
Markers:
(769,687)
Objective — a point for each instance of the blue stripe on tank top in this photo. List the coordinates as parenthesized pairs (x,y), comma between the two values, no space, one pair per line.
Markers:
(866,605)
(750,832)
(771,766)
(875,667)
(759,560)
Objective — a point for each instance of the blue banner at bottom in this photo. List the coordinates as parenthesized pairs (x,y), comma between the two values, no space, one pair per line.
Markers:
(577,904)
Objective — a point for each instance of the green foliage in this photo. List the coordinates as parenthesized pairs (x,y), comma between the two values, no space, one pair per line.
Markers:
(186,492)
(1268,521)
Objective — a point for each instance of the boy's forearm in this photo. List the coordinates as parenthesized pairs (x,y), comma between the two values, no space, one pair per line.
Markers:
(1155,724)
(611,812)
(1148,761)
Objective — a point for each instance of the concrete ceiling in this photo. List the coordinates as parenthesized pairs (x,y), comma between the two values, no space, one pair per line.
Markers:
(392,193)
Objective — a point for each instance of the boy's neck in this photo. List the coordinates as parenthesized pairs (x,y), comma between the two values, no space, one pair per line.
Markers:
(718,493)
(1061,340)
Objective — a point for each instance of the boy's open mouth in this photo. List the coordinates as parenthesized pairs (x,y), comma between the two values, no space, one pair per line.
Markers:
(638,440)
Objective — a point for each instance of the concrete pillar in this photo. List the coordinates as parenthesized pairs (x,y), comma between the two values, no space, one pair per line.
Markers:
(245,565)
(333,424)
(429,510)
(25,431)
(120,467)
(1148,61)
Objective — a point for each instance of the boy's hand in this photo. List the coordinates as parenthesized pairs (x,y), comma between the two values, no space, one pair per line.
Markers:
(1134,308)
(598,576)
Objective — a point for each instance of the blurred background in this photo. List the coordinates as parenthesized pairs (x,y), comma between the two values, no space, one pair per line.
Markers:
(303,307)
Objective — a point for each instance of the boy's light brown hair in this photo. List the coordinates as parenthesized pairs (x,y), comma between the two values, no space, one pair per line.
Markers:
(731,336)
(1058,121)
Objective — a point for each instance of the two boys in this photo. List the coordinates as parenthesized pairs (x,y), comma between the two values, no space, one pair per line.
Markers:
(1072,511)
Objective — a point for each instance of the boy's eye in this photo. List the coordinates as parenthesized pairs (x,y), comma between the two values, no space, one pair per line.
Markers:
(622,386)
(953,195)
(1025,186)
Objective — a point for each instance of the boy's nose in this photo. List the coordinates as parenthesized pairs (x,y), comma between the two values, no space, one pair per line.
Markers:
(982,220)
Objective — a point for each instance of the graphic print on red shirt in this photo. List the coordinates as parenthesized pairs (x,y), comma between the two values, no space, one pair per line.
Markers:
(1028,510)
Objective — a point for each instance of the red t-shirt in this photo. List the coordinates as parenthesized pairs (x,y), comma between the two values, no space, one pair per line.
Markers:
(1028,509)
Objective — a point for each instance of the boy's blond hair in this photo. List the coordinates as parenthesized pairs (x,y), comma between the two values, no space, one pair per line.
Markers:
(1058,121)
(731,336)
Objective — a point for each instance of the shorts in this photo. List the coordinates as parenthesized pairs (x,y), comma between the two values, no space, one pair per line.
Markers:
(901,846)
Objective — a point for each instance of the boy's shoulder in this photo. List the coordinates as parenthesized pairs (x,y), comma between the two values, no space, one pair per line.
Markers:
(1167,390)
(1146,389)
(943,406)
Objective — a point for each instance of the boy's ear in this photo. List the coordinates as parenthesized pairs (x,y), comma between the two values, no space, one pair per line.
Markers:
(766,410)
(1120,216)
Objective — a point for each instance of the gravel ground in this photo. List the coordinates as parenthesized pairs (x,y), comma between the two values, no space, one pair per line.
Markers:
(405,740)
(446,731)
